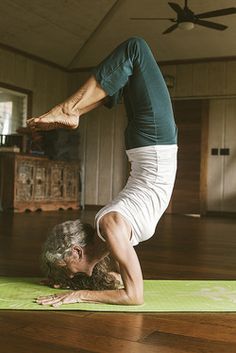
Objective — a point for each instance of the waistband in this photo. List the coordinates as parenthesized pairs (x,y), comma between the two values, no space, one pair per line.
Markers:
(153,148)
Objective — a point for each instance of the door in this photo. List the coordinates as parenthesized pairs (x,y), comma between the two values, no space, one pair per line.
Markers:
(189,194)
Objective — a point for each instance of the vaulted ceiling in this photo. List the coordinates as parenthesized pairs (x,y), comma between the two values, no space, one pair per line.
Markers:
(80,33)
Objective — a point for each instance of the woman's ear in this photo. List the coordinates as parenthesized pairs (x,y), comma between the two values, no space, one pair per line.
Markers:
(77,252)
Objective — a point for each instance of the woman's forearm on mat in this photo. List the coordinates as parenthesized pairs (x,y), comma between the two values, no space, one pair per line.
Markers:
(118,296)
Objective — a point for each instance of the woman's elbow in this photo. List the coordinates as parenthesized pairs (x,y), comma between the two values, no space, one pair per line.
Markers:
(135,299)
(138,301)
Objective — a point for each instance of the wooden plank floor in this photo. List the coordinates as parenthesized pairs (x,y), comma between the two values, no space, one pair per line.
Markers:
(183,248)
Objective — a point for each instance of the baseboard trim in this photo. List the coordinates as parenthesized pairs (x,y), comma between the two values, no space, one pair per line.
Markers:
(221,214)
(93,207)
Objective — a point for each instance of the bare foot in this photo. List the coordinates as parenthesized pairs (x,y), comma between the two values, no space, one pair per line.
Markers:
(54,119)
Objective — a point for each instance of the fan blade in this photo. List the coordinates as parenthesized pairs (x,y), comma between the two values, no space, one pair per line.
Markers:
(222,12)
(151,18)
(170,29)
(211,25)
(176,8)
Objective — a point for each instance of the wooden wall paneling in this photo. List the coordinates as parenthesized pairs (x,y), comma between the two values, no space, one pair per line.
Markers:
(82,156)
(204,156)
(57,86)
(170,70)
(76,80)
(45,89)
(49,85)
(20,71)
(40,91)
(92,159)
(29,76)
(229,162)
(120,164)
(231,77)
(200,79)
(184,81)
(215,163)
(7,72)
(106,120)
(2,66)
(207,79)
(53,88)
(216,78)
(63,83)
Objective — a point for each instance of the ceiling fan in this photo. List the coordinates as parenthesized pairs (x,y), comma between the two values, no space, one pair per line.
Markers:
(186,18)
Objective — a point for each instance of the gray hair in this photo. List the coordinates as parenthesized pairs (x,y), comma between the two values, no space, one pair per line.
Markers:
(62,238)
(59,245)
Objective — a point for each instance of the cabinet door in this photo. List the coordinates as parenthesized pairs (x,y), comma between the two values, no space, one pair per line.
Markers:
(56,181)
(24,180)
(40,181)
(71,181)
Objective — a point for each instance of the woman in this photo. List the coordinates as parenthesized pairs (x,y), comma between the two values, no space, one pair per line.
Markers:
(131,72)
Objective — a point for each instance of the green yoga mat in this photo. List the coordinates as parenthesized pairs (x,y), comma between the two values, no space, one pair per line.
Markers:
(159,296)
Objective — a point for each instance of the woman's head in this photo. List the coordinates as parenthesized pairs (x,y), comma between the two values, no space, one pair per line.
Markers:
(63,238)
(62,250)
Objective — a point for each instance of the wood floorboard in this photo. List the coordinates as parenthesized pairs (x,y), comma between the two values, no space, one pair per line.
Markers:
(182,248)
(21,344)
(189,344)
(86,339)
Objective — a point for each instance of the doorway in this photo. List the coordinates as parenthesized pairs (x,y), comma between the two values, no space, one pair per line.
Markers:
(189,195)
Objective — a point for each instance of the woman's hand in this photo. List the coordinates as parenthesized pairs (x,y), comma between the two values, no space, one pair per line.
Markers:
(59,299)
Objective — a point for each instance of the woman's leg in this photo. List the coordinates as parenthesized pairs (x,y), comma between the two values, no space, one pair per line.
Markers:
(132,70)
(66,114)
(128,59)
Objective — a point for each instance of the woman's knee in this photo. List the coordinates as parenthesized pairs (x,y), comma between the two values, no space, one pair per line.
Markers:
(138,46)
(139,41)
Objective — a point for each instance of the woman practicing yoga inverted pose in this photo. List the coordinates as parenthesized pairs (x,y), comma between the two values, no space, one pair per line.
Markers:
(76,249)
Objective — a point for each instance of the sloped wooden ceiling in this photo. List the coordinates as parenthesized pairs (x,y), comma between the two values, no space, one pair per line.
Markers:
(51,29)
(79,33)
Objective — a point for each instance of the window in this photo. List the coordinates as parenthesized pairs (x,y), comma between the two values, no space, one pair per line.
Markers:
(13,110)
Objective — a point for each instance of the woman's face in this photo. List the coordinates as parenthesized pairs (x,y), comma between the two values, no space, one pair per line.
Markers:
(74,264)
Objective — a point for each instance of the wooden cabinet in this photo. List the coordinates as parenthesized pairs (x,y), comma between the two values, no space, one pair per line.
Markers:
(32,183)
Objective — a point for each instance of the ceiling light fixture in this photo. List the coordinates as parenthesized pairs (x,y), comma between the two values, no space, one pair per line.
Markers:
(187,26)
